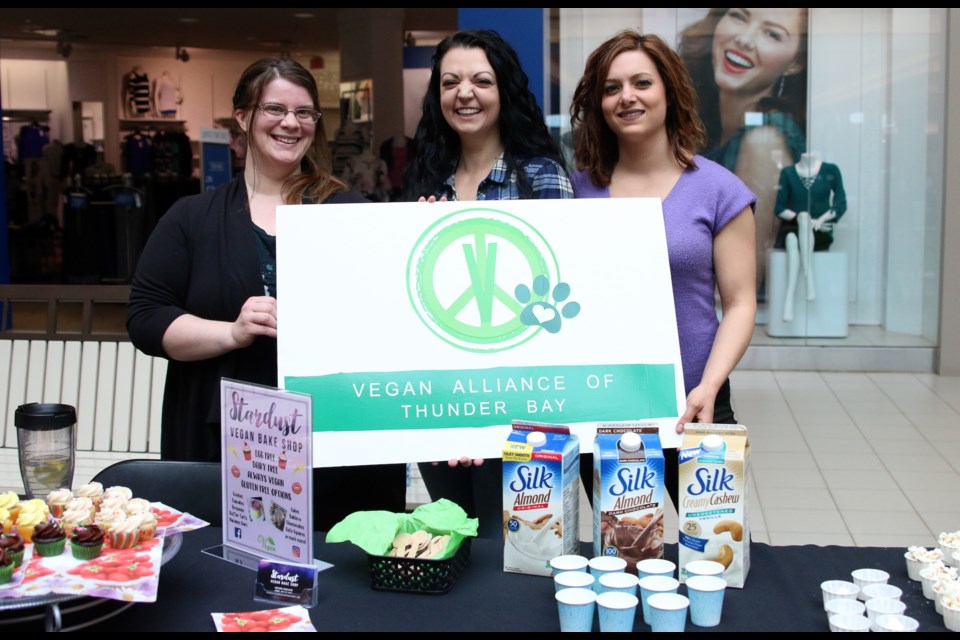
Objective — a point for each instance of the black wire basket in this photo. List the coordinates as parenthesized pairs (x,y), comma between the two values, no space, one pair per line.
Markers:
(418,575)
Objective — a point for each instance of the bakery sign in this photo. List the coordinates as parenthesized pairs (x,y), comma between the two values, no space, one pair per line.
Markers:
(422,330)
(267,471)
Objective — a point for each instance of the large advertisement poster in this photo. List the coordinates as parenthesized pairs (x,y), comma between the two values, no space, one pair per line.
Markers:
(750,70)
(422,330)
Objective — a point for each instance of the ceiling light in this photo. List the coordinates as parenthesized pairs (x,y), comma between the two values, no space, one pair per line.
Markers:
(182,54)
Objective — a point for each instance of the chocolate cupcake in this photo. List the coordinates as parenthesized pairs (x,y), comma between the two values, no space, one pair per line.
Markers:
(6,567)
(86,542)
(13,543)
(49,539)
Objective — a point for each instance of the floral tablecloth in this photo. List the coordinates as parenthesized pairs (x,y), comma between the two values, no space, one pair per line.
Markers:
(118,574)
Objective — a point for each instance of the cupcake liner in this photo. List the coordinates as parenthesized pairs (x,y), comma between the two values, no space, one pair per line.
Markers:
(6,573)
(147,531)
(124,539)
(86,551)
(17,557)
(48,548)
(26,533)
(56,510)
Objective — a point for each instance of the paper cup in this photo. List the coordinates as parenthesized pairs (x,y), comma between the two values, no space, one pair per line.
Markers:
(863,577)
(849,622)
(668,612)
(568,563)
(882,590)
(623,582)
(617,610)
(883,607)
(576,609)
(652,585)
(706,599)
(655,567)
(895,623)
(849,606)
(703,568)
(605,564)
(951,618)
(573,580)
(838,589)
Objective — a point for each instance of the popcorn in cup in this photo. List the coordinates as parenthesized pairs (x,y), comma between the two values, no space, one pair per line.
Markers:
(951,618)
(935,571)
(918,558)
(949,543)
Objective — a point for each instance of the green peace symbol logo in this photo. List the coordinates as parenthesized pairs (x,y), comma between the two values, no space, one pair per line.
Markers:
(462,273)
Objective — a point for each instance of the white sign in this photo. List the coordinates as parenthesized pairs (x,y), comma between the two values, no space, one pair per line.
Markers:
(267,471)
(422,330)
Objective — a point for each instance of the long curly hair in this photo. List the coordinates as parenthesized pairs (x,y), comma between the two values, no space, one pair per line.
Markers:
(594,143)
(315,180)
(696,50)
(523,130)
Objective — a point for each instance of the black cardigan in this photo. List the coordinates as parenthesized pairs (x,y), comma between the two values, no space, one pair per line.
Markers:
(202,259)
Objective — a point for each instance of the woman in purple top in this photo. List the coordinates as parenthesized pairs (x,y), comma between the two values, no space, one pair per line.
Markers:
(636,134)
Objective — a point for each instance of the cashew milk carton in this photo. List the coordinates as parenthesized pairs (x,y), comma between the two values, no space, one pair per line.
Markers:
(541,496)
(628,492)
(714,523)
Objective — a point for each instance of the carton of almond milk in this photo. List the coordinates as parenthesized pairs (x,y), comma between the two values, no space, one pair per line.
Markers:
(714,524)
(628,491)
(541,496)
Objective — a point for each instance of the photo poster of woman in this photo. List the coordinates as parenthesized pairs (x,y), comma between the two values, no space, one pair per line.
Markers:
(749,67)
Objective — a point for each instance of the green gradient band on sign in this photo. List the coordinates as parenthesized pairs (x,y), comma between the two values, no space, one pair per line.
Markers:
(439,399)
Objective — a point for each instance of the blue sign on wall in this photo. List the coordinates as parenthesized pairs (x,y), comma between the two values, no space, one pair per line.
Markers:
(215,165)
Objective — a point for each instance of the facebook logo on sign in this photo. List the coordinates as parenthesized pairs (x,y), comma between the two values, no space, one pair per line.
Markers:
(237,533)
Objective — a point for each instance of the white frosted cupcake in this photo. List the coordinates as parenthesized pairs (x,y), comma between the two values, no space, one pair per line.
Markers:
(107,518)
(80,503)
(92,490)
(126,533)
(72,518)
(148,525)
(57,501)
(123,492)
(136,505)
(112,502)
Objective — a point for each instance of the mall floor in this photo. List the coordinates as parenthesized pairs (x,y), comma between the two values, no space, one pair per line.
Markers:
(853,459)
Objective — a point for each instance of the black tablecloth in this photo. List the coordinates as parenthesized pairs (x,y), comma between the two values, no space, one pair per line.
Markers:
(782,592)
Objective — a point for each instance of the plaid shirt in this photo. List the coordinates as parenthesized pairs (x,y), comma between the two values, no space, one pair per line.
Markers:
(547,178)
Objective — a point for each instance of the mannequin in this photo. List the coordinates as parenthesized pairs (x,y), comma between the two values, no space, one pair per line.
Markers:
(166,96)
(810,200)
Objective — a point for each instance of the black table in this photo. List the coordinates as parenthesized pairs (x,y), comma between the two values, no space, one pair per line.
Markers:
(782,592)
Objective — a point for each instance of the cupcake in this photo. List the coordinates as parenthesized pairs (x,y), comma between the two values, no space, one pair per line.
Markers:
(6,567)
(34,505)
(148,525)
(49,539)
(11,502)
(86,542)
(113,502)
(13,543)
(72,518)
(282,461)
(118,491)
(125,534)
(26,522)
(136,505)
(6,521)
(108,518)
(246,451)
(57,501)
(92,490)
(80,503)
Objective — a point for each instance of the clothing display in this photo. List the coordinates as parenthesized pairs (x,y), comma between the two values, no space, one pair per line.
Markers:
(138,93)
(77,158)
(32,139)
(166,96)
(547,180)
(368,175)
(396,152)
(816,194)
(202,259)
(796,141)
(137,154)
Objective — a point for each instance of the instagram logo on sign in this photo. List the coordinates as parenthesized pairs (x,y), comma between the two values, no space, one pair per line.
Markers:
(296,551)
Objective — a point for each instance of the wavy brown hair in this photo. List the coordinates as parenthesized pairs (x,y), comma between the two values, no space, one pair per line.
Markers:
(315,180)
(594,143)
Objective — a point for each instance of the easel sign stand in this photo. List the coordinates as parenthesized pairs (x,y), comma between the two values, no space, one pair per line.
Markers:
(267,464)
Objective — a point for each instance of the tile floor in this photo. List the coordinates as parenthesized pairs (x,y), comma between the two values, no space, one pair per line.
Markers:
(854,459)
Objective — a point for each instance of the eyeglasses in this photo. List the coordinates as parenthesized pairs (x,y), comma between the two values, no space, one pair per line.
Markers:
(278,112)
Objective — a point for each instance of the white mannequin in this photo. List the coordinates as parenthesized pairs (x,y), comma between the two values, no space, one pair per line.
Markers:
(800,245)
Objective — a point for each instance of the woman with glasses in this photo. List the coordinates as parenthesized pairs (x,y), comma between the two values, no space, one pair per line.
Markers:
(204,293)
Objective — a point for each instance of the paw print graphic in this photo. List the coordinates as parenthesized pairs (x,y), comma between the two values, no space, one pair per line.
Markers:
(541,312)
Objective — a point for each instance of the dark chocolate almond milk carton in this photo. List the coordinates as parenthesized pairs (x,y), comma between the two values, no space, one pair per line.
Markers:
(628,492)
